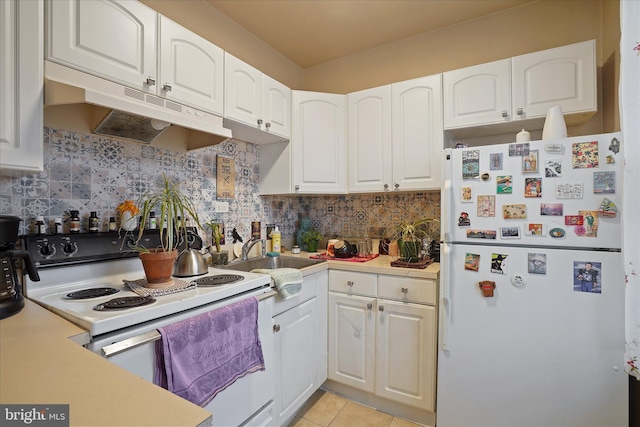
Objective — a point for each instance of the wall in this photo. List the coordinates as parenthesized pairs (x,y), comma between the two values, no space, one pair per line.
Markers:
(95,173)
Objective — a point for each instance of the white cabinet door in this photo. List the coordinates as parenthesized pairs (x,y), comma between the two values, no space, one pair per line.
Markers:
(477,95)
(319,142)
(369,139)
(417,133)
(296,345)
(352,334)
(276,107)
(191,68)
(564,76)
(21,80)
(243,91)
(322,289)
(406,353)
(113,39)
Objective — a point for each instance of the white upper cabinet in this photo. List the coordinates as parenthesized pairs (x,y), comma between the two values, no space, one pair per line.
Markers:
(255,100)
(319,142)
(477,95)
(523,88)
(126,42)
(369,139)
(191,68)
(21,81)
(115,40)
(564,76)
(395,136)
(417,133)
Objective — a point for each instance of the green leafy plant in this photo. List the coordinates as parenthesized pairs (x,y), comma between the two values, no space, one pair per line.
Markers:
(311,235)
(410,234)
(216,233)
(172,204)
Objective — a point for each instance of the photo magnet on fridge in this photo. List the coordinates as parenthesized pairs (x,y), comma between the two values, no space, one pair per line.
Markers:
(533,187)
(590,227)
(470,164)
(607,208)
(604,182)
(495,163)
(537,263)
(472,262)
(587,276)
(463,220)
(569,191)
(584,155)
(486,206)
(509,232)
(466,195)
(504,184)
(515,211)
(537,230)
(498,263)
(530,162)
(553,168)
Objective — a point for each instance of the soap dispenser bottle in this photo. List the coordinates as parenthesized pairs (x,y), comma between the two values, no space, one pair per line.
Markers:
(276,239)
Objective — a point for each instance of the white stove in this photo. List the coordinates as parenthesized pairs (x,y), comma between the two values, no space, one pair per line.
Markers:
(56,283)
(126,336)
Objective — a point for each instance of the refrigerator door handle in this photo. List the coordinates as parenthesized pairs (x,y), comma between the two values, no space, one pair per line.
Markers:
(444,303)
(446,196)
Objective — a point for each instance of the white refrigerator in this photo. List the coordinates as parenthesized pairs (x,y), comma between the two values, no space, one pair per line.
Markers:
(532,286)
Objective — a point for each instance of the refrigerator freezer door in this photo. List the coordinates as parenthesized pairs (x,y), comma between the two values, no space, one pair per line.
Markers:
(505,180)
(537,353)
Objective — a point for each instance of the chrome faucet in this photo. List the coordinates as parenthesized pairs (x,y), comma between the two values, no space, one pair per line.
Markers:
(246,248)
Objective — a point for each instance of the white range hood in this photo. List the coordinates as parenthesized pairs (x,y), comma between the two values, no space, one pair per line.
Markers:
(128,113)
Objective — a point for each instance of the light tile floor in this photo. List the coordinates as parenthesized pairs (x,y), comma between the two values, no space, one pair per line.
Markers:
(329,410)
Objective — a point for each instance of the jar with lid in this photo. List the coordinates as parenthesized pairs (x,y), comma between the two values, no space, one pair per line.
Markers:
(112,224)
(41,229)
(94,222)
(74,221)
(152,221)
(57,226)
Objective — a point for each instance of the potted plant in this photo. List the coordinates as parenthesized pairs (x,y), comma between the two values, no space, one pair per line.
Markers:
(172,205)
(410,236)
(310,239)
(218,257)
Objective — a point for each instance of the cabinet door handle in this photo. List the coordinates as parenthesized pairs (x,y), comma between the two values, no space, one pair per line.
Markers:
(297,187)
(369,306)
(166,87)
(268,125)
(504,114)
(276,328)
(350,283)
(396,186)
(381,307)
(151,81)
(404,290)
(259,122)
(386,187)
(520,111)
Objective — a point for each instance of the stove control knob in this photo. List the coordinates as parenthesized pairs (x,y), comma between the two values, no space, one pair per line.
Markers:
(47,250)
(70,248)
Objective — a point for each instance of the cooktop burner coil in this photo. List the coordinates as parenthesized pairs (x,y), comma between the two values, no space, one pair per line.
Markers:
(92,293)
(218,280)
(123,303)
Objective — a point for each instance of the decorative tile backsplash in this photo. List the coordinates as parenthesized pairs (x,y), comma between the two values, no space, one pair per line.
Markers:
(96,173)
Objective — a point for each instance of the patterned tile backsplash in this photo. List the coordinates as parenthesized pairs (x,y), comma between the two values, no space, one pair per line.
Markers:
(95,173)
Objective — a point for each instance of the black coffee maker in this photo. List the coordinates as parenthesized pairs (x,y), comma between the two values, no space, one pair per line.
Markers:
(11,299)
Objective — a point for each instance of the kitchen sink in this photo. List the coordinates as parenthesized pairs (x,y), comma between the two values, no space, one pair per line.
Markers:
(272,262)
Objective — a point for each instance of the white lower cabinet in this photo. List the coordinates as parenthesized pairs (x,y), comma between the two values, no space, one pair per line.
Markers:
(300,358)
(384,341)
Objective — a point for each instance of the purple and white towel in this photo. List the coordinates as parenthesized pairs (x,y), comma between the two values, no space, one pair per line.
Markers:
(199,357)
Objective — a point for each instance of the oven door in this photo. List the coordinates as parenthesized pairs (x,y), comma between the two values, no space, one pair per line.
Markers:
(133,350)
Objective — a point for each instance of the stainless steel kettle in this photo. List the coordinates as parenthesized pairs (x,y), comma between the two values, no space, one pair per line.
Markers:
(190,263)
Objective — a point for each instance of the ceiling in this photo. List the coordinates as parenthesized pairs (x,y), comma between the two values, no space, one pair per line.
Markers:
(311,32)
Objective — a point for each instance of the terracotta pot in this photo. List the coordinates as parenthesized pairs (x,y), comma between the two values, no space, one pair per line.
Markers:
(158,267)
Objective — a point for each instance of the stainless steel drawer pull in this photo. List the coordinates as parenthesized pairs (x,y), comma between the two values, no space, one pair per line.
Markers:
(381,307)
(276,328)
(166,87)
(520,111)
(369,306)
(404,290)
(151,81)
(504,114)
(128,344)
(350,283)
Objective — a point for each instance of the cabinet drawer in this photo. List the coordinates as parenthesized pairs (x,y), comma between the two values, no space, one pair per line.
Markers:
(421,291)
(349,282)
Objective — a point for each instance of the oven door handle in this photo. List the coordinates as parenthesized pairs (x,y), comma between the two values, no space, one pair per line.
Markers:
(133,342)
(129,343)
